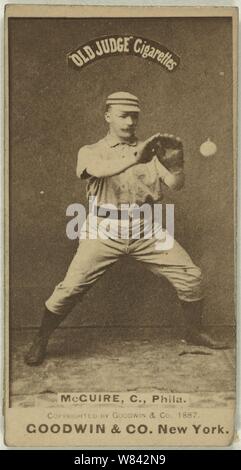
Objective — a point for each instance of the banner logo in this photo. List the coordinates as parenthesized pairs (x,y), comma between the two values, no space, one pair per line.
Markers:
(114,45)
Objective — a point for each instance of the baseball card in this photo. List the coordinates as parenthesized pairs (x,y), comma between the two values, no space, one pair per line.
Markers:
(120,226)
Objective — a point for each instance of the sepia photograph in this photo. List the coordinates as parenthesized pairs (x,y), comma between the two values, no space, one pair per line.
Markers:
(120,225)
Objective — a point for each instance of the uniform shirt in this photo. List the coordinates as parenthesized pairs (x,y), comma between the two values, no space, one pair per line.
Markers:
(138,184)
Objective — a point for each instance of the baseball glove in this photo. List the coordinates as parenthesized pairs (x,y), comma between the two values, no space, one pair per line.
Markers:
(169,151)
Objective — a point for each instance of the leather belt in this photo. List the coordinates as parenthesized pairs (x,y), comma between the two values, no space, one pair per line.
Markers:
(119,214)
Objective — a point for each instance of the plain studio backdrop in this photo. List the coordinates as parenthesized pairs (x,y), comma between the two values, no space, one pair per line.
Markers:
(55,109)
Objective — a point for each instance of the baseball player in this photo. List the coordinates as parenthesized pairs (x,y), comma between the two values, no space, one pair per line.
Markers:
(119,170)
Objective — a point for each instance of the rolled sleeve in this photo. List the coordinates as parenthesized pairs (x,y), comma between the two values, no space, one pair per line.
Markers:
(82,162)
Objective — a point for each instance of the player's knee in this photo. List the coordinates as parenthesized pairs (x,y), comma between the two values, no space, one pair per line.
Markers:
(193,277)
(69,290)
(191,286)
(197,274)
(196,281)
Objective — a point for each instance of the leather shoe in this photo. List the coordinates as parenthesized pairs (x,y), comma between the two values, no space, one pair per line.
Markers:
(203,339)
(37,351)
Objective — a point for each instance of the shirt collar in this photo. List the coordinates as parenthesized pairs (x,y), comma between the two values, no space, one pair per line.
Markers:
(113,141)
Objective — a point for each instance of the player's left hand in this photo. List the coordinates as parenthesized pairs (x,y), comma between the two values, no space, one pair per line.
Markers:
(169,151)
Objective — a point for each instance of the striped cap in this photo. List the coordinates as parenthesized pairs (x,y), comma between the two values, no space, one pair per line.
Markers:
(125,100)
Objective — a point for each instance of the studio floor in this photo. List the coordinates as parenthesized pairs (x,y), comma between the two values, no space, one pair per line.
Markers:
(121,359)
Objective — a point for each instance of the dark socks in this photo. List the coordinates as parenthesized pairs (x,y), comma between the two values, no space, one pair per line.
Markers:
(193,315)
(194,333)
(50,322)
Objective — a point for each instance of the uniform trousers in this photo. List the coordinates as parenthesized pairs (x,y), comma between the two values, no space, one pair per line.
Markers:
(94,256)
